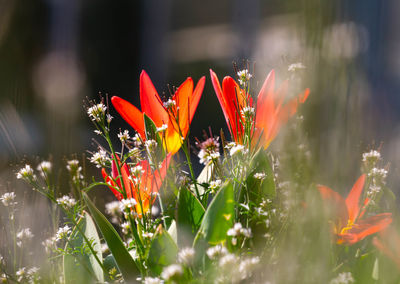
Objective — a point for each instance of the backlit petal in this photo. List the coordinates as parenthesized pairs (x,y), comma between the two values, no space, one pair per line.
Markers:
(130,114)
(194,102)
(353,199)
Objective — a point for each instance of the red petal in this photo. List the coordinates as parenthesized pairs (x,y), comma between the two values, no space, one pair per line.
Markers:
(151,102)
(336,202)
(353,199)
(366,227)
(234,101)
(130,114)
(109,180)
(267,89)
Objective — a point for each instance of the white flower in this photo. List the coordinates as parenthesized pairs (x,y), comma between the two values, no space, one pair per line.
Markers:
(100,158)
(21,274)
(237,149)
(25,173)
(228,261)
(293,67)
(147,235)
(172,271)
(169,104)
(112,208)
(124,136)
(162,128)
(66,201)
(44,168)
(63,233)
(134,153)
(216,251)
(125,227)
(373,156)
(186,256)
(244,76)
(24,235)
(378,173)
(74,169)
(209,150)
(109,118)
(137,140)
(50,244)
(260,176)
(152,280)
(248,112)
(97,112)
(246,266)
(8,199)
(235,231)
(150,145)
(127,204)
(343,278)
(137,171)
(215,184)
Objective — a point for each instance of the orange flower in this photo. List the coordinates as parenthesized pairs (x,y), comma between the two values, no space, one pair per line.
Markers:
(270,113)
(349,226)
(140,187)
(177,117)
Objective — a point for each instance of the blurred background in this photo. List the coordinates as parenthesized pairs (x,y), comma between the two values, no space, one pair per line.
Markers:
(54,54)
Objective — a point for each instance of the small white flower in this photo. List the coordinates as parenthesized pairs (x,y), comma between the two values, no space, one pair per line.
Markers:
(371,156)
(135,154)
(112,208)
(26,173)
(228,261)
(21,274)
(100,158)
(152,280)
(246,266)
(127,204)
(248,112)
(66,201)
(75,170)
(343,278)
(44,168)
(97,112)
(235,231)
(216,251)
(125,227)
(260,176)
(50,244)
(137,171)
(295,66)
(186,256)
(8,199)
(378,173)
(147,235)
(98,132)
(169,104)
(244,76)
(237,149)
(172,271)
(124,136)
(162,128)
(215,184)
(63,233)
(150,145)
(109,118)
(24,235)
(137,140)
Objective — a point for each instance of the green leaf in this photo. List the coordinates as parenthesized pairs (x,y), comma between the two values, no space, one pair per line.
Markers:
(190,214)
(265,188)
(219,217)
(172,231)
(163,251)
(152,134)
(375,270)
(82,267)
(123,259)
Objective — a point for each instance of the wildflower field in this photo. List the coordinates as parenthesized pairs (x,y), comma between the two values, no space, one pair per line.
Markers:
(259,200)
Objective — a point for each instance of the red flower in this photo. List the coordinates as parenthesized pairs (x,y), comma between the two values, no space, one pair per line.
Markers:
(141,187)
(271,111)
(349,226)
(177,118)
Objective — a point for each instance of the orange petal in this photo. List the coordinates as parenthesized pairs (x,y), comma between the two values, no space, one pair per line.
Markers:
(130,114)
(159,175)
(336,203)
(127,182)
(366,227)
(151,102)
(194,102)
(267,89)
(234,100)
(182,98)
(353,199)
(173,140)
